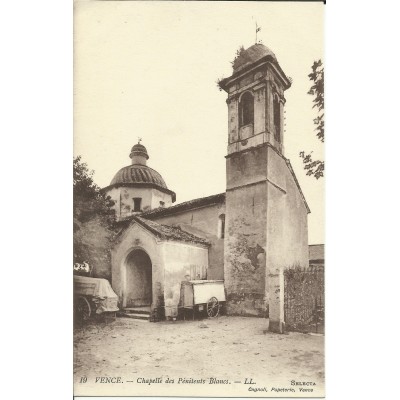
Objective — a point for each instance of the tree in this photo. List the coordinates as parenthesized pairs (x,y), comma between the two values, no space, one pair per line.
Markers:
(94,220)
(316,167)
(89,200)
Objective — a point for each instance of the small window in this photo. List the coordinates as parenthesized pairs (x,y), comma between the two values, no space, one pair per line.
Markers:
(162,203)
(246,109)
(137,203)
(221,226)
(277,118)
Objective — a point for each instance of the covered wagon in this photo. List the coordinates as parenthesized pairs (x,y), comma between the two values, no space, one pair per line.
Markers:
(93,296)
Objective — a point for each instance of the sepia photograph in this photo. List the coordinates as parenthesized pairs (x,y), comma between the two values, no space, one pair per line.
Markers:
(198,209)
(174,153)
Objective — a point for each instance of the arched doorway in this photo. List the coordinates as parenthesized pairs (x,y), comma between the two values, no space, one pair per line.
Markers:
(138,291)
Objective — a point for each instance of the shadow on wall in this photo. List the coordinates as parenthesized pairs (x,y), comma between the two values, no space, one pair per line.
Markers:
(138,279)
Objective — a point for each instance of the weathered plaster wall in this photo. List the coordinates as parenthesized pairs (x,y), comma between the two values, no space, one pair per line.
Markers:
(262,83)
(287,235)
(273,86)
(170,262)
(245,241)
(253,134)
(259,109)
(287,232)
(247,167)
(136,237)
(202,222)
(158,196)
(245,250)
(123,197)
(233,119)
(179,258)
(266,224)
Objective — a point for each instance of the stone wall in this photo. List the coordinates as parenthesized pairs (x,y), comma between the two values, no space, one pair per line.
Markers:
(305,299)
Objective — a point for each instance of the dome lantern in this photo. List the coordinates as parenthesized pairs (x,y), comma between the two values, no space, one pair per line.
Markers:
(139,154)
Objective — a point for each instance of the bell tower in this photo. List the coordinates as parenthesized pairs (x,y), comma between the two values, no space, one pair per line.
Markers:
(255,100)
(255,148)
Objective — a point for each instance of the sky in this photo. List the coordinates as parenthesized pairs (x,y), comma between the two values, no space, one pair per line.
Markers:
(149,70)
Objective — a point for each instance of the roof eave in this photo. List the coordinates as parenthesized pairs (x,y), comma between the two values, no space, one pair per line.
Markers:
(162,237)
(186,206)
(141,185)
(298,185)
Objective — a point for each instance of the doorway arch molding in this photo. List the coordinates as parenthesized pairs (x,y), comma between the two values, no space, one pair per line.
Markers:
(136,238)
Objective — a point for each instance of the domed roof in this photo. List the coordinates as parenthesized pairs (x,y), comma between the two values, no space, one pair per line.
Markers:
(251,55)
(246,59)
(139,149)
(138,174)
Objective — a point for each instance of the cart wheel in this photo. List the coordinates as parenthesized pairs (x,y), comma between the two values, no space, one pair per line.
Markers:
(213,307)
(83,308)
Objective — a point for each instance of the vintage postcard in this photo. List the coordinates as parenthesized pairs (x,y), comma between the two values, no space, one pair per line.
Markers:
(199,199)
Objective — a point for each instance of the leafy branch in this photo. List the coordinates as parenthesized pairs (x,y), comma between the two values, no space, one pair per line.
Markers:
(316,167)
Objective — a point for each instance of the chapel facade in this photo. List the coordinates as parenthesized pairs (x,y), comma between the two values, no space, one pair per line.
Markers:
(245,235)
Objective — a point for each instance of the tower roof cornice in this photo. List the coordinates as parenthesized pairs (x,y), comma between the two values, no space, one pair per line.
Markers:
(250,60)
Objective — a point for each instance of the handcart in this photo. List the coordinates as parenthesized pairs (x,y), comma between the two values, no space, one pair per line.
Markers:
(202,296)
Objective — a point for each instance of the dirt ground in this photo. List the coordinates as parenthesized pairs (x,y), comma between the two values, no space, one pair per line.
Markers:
(233,350)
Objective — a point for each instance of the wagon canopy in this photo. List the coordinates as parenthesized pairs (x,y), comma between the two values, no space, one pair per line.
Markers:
(96,287)
(203,290)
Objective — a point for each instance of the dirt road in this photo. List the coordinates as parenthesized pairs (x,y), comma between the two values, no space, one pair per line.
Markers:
(242,357)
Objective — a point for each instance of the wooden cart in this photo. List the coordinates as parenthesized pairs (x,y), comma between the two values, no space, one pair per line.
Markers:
(202,295)
(93,296)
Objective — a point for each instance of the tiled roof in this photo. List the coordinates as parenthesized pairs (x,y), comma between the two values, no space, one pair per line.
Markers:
(138,173)
(187,205)
(165,232)
(251,55)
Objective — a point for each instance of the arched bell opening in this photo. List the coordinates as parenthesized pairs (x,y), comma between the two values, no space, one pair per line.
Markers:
(246,109)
